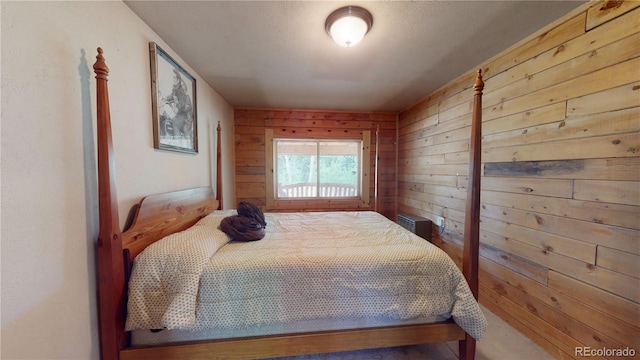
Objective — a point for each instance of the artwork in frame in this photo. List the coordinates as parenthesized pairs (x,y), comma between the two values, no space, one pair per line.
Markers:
(173,97)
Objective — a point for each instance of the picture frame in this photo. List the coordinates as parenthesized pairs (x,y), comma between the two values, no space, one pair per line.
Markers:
(174,106)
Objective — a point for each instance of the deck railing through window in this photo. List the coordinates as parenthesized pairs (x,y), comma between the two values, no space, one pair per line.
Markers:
(306,190)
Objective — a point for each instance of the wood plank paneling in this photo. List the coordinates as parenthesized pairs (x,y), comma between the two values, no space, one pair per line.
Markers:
(622,145)
(596,319)
(607,302)
(531,297)
(617,75)
(583,64)
(572,48)
(251,172)
(623,216)
(586,169)
(564,245)
(588,232)
(542,115)
(587,126)
(621,97)
(518,265)
(617,192)
(560,339)
(525,328)
(542,187)
(607,10)
(560,219)
(530,48)
(619,261)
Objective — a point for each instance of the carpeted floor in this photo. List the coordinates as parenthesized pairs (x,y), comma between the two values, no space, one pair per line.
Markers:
(501,342)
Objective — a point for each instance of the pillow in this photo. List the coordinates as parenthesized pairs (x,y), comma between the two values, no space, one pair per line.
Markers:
(163,289)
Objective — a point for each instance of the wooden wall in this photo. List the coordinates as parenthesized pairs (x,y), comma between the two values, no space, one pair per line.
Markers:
(560,219)
(250,125)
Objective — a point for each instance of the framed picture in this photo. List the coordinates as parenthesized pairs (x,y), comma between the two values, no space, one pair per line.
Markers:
(173,97)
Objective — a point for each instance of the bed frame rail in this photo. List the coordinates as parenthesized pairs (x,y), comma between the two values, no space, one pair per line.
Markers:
(300,344)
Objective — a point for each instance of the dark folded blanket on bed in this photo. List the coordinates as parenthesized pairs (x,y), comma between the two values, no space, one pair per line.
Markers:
(250,210)
(248,225)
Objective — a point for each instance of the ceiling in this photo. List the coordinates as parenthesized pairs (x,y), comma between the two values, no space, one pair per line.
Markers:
(276,54)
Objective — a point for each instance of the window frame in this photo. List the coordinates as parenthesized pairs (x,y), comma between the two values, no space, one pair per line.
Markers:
(318,154)
(317,203)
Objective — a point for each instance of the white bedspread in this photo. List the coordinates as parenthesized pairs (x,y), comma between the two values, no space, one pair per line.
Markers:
(310,265)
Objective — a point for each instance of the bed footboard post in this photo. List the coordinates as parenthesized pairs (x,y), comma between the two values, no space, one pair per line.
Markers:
(472,213)
(219,166)
(110,260)
(471,252)
(467,348)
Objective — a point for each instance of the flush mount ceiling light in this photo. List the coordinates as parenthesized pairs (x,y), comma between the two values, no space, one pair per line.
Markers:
(348,25)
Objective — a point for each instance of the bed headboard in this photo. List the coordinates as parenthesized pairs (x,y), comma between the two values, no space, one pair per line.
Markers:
(153,218)
(175,211)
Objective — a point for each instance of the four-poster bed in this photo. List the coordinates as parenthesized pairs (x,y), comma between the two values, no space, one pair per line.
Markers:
(158,216)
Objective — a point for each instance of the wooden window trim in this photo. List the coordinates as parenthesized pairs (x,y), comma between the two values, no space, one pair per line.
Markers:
(317,204)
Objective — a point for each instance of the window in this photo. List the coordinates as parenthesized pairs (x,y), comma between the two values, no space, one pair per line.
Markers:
(309,173)
(309,168)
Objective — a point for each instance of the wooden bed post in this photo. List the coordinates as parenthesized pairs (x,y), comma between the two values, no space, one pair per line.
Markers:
(111,275)
(467,347)
(219,168)
(376,196)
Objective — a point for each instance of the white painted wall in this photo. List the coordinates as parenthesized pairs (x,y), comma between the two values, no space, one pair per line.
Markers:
(49,213)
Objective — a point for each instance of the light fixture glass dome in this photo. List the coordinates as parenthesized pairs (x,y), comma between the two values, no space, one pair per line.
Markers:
(348,25)
(348,31)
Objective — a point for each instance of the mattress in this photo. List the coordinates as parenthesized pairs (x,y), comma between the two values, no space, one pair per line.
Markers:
(331,268)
